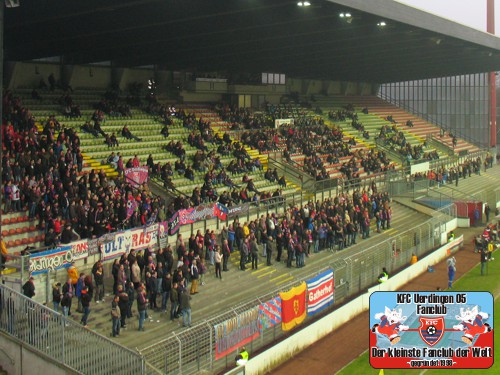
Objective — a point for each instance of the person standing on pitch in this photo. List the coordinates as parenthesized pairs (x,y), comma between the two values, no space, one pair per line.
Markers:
(484,260)
(452,269)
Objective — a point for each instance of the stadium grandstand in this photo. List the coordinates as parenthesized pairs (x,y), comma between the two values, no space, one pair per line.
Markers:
(172,171)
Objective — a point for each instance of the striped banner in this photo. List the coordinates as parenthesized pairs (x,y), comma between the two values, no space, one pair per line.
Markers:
(270,313)
(319,292)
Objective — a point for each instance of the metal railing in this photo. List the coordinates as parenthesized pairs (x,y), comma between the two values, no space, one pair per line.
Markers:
(437,144)
(62,339)
(391,152)
(193,349)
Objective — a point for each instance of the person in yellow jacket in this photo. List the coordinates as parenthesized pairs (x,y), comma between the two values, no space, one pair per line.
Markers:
(4,253)
(384,276)
(491,248)
(242,358)
(246,230)
(73,274)
(414,259)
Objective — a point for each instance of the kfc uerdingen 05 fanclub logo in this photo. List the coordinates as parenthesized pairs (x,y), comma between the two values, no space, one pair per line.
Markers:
(431,330)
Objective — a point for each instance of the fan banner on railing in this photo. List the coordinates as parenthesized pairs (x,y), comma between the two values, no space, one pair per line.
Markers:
(431,330)
(236,332)
(163,233)
(238,210)
(142,238)
(131,207)
(194,214)
(137,175)
(283,121)
(293,307)
(319,292)
(80,249)
(95,243)
(51,260)
(270,313)
(120,244)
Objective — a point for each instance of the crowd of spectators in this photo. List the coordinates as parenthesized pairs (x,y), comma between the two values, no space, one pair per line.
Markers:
(307,229)
(449,175)
(41,173)
(308,136)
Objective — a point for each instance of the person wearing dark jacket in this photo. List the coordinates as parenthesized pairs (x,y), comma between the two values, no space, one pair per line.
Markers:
(271,249)
(56,296)
(174,300)
(185,300)
(66,304)
(226,253)
(142,303)
(29,288)
(114,271)
(86,297)
(151,289)
(115,316)
(169,260)
(130,290)
(254,249)
(67,235)
(123,304)
(98,273)
(68,291)
(166,288)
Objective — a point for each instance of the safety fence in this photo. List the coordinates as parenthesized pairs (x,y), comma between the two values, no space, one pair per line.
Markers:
(63,340)
(194,349)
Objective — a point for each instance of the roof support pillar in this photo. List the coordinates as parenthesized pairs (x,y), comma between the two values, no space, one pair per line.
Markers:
(490,28)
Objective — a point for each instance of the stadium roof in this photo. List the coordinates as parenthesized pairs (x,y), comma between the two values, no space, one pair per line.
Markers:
(252,36)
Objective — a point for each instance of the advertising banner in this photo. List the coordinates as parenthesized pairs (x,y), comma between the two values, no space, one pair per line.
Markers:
(79,249)
(270,313)
(51,260)
(319,292)
(293,307)
(236,332)
(137,175)
(427,330)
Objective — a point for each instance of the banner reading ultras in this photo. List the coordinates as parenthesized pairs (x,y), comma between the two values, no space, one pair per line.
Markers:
(431,330)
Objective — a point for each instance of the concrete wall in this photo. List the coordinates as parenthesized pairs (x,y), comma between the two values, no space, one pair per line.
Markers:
(28,74)
(17,359)
(136,75)
(287,348)
(191,97)
(90,76)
